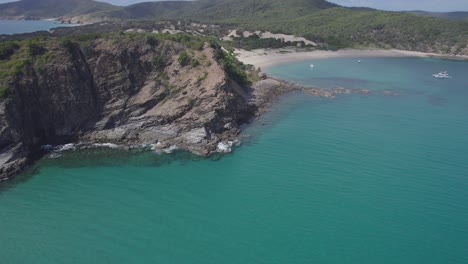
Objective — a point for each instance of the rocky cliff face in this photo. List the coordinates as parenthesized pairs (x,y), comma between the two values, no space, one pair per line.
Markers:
(122,90)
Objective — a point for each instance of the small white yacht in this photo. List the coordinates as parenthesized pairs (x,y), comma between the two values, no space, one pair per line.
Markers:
(312,66)
(441,75)
(359,61)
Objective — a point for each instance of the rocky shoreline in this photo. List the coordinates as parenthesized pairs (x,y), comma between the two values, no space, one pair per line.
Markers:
(137,92)
(200,141)
(160,139)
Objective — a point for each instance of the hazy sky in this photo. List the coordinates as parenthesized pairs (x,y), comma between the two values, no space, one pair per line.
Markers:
(427,5)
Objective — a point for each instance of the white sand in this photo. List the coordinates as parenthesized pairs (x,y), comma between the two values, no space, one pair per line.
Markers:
(268,35)
(263,58)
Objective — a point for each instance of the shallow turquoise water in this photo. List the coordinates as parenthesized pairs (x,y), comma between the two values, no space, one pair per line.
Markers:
(27,26)
(358,179)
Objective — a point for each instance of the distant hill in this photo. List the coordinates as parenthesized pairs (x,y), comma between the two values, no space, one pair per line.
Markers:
(147,10)
(218,10)
(447,15)
(344,27)
(317,20)
(255,10)
(52,8)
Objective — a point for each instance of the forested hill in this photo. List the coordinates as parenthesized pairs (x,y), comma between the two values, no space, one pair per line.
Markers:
(52,8)
(316,20)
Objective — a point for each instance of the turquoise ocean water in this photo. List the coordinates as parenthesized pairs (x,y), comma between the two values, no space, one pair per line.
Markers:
(27,26)
(357,179)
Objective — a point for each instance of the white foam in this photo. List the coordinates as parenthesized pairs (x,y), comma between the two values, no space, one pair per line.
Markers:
(156,146)
(171,149)
(106,145)
(54,156)
(67,147)
(158,150)
(47,147)
(224,147)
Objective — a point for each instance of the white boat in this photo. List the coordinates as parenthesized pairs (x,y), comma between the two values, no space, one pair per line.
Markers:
(441,75)
(312,66)
(359,61)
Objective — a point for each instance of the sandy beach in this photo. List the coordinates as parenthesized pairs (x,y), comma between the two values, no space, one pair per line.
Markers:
(267,57)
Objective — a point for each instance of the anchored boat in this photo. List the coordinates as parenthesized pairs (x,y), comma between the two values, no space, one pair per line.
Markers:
(441,75)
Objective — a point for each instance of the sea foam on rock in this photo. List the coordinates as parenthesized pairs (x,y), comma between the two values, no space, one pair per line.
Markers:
(67,147)
(106,145)
(225,147)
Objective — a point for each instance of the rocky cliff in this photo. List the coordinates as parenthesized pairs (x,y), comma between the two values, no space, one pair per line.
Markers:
(126,89)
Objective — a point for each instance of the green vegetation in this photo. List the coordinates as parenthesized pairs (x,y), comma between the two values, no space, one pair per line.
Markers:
(192,42)
(35,49)
(146,10)
(255,42)
(338,27)
(194,63)
(202,77)
(234,69)
(7,49)
(68,44)
(183,58)
(8,68)
(152,41)
(331,26)
(343,27)
(33,54)
(15,56)
(159,61)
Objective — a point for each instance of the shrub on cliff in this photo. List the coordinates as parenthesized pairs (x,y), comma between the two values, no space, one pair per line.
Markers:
(7,49)
(184,58)
(68,45)
(234,69)
(152,41)
(194,63)
(159,62)
(36,49)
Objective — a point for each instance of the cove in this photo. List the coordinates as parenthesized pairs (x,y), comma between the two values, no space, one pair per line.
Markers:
(371,178)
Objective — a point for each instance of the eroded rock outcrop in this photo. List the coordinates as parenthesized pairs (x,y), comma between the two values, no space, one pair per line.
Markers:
(124,91)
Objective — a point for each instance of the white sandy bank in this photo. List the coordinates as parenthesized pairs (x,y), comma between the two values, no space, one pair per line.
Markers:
(263,58)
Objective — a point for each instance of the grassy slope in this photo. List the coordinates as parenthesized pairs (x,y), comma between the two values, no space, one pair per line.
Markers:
(20,56)
(342,27)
